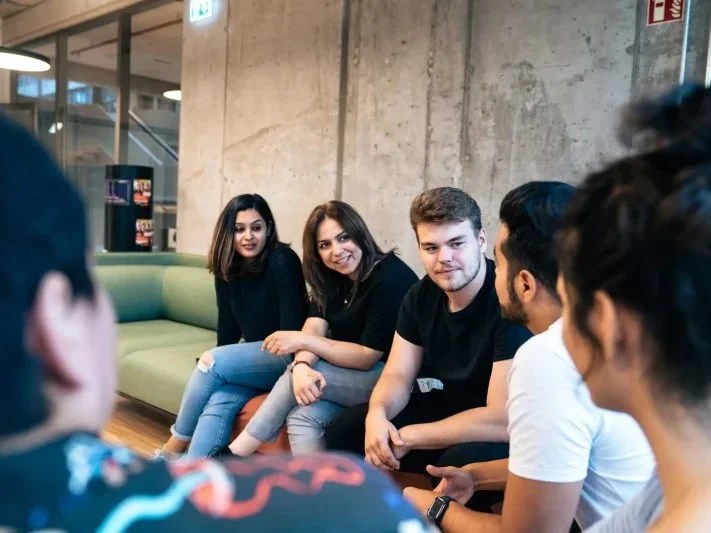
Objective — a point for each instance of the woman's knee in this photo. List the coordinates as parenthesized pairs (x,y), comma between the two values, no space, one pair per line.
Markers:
(306,426)
(301,417)
(220,359)
(284,382)
(206,361)
(316,415)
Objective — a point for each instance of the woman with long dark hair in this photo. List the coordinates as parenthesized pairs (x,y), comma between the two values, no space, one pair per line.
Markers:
(260,289)
(635,263)
(356,292)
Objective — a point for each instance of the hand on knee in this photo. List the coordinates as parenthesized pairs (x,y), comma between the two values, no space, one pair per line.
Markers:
(206,361)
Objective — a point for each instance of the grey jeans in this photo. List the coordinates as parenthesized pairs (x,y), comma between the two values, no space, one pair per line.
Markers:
(306,425)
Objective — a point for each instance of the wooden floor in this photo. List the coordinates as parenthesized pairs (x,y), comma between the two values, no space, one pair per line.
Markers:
(137,426)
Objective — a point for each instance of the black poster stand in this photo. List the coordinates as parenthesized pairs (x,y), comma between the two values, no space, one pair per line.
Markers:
(128,206)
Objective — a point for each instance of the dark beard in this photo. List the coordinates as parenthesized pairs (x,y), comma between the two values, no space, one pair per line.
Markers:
(514,312)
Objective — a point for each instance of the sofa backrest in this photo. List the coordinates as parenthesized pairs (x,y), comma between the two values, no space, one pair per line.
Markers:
(189,296)
(151,286)
(135,290)
(152,258)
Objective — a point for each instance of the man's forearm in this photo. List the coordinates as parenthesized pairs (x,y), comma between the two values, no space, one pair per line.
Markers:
(489,475)
(482,424)
(390,395)
(459,519)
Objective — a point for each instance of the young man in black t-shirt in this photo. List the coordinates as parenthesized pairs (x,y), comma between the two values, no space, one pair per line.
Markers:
(57,354)
(449,330)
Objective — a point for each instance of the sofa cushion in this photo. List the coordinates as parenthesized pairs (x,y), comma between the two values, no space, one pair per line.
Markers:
(192,260)
(189,296)
(149,334)
(158,376)
(152,258)
(136,290)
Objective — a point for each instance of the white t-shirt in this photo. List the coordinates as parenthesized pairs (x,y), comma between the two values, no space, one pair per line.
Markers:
(558,435)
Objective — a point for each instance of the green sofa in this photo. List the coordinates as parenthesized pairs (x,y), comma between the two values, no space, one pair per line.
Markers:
(165,305)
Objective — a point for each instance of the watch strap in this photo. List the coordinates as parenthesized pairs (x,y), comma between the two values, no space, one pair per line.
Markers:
(299,363)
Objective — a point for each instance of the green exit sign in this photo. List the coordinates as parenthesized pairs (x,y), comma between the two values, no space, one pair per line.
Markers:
(200,9)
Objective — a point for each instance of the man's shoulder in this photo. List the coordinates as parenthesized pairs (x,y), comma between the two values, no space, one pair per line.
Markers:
(212,493)
(425,290)
(544,350)
(421,300)
(79,483)
(542,363)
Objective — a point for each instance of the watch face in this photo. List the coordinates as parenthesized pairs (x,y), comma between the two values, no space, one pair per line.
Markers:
(437,509)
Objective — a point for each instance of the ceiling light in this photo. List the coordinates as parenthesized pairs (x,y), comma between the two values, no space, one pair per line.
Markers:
(173,95)
(22,60)
(55,127)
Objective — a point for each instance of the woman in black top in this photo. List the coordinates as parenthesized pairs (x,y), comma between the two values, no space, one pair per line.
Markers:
(260,289)
(356,291)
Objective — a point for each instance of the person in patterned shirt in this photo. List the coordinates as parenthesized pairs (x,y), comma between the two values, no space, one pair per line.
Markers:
(57,344)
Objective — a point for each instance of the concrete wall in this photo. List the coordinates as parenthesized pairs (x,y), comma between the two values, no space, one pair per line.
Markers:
(262,113)
(371,101)
(404,117)
(202,122)
(547,79)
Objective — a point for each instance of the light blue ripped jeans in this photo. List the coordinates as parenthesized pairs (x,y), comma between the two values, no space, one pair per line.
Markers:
(306,425)
(214,396)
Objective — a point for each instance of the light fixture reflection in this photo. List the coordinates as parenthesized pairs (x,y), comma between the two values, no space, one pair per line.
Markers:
(176,94)
(55,127)
(22,60)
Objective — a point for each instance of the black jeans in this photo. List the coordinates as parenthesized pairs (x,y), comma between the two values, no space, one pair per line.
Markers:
(347,433)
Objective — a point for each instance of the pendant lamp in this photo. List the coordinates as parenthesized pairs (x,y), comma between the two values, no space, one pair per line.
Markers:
(173,95)
(22,60)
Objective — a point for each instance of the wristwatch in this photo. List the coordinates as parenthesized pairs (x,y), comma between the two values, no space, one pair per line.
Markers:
(437,509)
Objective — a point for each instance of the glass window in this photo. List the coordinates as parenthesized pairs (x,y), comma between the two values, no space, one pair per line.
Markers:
(48,88)
(86,130)
(28,86)
(107,97)
(145,102)
(81,95)
(167,105)
(155,68)
(39,89)
(90,121)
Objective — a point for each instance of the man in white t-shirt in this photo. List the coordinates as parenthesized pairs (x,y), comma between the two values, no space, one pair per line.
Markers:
(568,459)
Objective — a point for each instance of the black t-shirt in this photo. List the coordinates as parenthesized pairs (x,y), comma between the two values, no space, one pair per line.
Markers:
(369,318)
(256,306)
(459,348)
(79,483)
